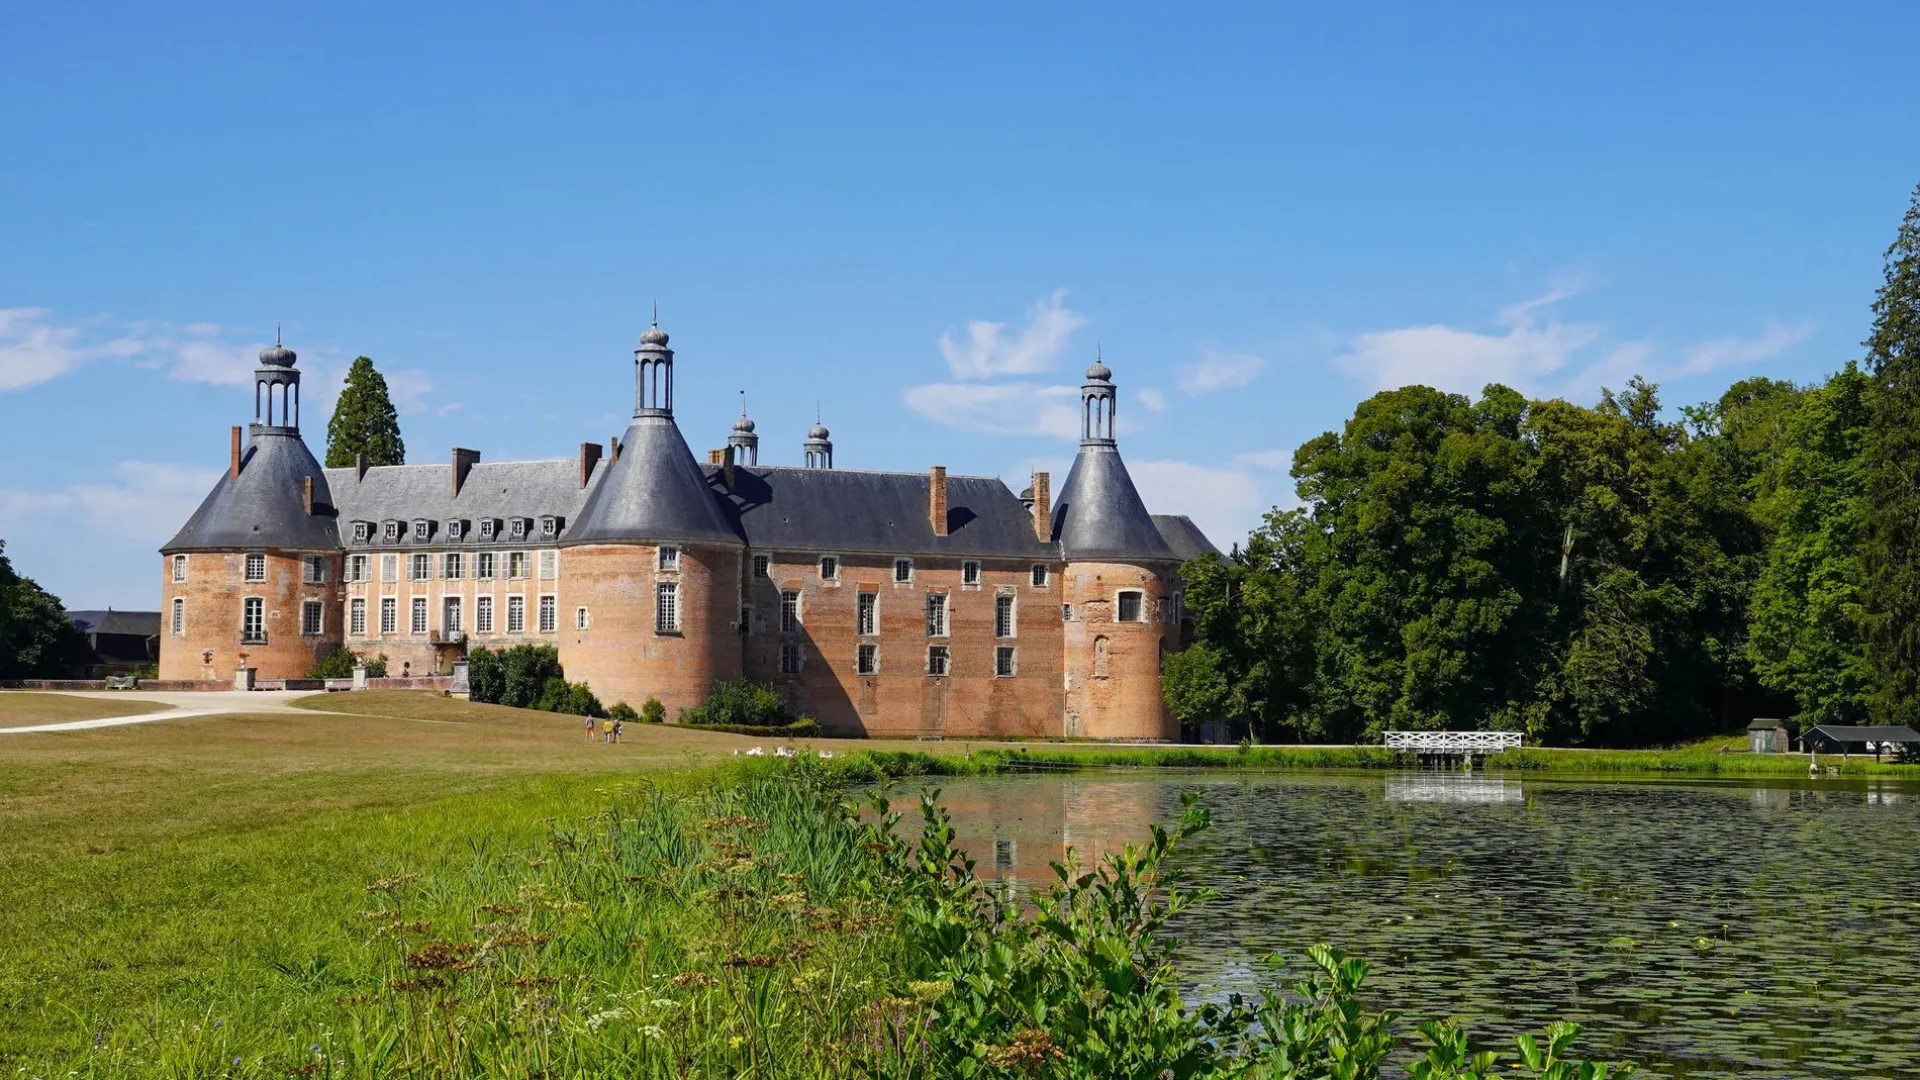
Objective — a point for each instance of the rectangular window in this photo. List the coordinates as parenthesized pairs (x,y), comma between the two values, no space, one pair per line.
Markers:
(867,614)
(516,564)
(549,614)
(760,565)
(1003,616)
(256,566)
(1003,662)
(829,568)
(936,614)
(389,615)
(450,617)
(549,527)
(316,569)
(455,528)
(789,658)
(488,526)
(179,568)
(253,621)
(361,530)
(357,617)
(549,565)
(1066,612)
(518,527)
(579,618)
(391,530)
(1039,575)
(867,660)
(670,559)
(1129,608)
(516,614)
(179,615)
(666,607)
(970,572)
(483,614)
(453,566)
(312,617)
(419,624)
(357,568)
(422,528)
(789,611)
(936,659)
(389,568)
(420,567)
(483,566)
(903,570)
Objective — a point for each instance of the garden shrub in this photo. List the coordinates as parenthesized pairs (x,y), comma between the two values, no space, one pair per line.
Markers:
(515,677)
(623,712)
(339,664)
(653,712)
(574,698)
(739,703)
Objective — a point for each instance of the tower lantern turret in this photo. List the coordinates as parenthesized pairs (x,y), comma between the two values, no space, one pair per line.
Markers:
(276,391)
(1098,398)
(818,447)
(746,444)
(653,372)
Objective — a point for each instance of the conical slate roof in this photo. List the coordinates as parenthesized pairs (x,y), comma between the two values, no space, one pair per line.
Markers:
(265,506)
(654,492)
(1099,516)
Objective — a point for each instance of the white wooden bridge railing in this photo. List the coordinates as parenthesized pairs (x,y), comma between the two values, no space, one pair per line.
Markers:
(1454,742)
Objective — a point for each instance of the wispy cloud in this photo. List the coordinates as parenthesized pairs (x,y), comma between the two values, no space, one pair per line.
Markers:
(1216,370)
(1153,399)
(987,350)
(35,349)
(1273,460)
(1225,503)
(1016,408)
(143,501)
(1529,348)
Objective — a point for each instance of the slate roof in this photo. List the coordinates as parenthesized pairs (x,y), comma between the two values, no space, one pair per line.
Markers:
(264,507)
(134,623)
(500,490)
(654,492)
(848,511)
(1846,733)
(1098,513)
(1183,536)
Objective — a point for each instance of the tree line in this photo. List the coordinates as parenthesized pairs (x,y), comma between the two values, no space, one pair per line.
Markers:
(1591,575)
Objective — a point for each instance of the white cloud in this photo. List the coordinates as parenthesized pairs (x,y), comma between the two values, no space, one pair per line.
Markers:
(1272,460)
(209,360)
(1225,503)
(1017,408)
(145,501)
(1534,352)
(1153,399)
(1217,370)
(1730,351)
(987,350)
(34,350)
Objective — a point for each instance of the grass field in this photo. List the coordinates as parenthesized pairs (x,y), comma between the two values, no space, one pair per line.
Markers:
(20,708)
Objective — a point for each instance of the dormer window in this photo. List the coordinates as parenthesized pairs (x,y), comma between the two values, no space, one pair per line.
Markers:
(549,526)
(455,528)
(519,528)
(488,526)
(391,531)
(422,528)
(361,531)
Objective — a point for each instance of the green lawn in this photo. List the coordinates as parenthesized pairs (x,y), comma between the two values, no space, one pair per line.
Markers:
(22,708)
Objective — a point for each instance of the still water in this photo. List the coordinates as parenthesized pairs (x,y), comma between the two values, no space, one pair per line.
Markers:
(1703,929)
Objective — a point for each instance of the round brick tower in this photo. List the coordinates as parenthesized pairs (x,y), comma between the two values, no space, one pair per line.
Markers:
(655,559)
(1119,578)
(251,579)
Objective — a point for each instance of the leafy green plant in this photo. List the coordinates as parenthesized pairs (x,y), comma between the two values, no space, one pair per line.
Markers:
(652,712)
(739,703)
(622,711)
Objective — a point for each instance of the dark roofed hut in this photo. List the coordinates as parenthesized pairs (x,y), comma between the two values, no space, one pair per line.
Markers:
(1771,736)
(1865,739)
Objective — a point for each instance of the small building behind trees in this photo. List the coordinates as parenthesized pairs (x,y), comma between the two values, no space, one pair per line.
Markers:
(1771,736)
(1859,739)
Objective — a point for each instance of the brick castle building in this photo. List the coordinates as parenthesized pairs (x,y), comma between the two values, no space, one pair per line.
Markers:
(896,604)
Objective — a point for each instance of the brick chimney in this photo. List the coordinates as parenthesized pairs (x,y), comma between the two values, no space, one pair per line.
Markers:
(589,457)
(359,467)
(613,447)
(1042,507)
(463,463)
(306,494)
(726,467)
(233,459)
(937,500)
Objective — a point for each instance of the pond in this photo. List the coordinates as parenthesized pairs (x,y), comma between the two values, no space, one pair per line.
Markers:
(1701,928)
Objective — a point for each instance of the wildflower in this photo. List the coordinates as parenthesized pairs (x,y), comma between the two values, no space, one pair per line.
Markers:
(1029,1052)
(692,979)
(652,1031)
(664,1003)
(601,1019)
(930,991)
(737,1040)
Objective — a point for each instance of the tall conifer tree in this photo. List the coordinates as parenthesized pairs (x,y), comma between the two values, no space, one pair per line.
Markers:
(364,421)
(1892,551)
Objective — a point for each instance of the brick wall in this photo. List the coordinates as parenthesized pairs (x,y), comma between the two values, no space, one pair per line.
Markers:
(209,646)
(903,699)
(1113,667)
(621,654)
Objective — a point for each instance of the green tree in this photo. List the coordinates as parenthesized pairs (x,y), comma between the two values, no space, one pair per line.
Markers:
(1892,552)
(37,640)
(1806,636)
(364,421)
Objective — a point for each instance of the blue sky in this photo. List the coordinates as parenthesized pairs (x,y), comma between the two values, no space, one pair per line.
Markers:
(921,219)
